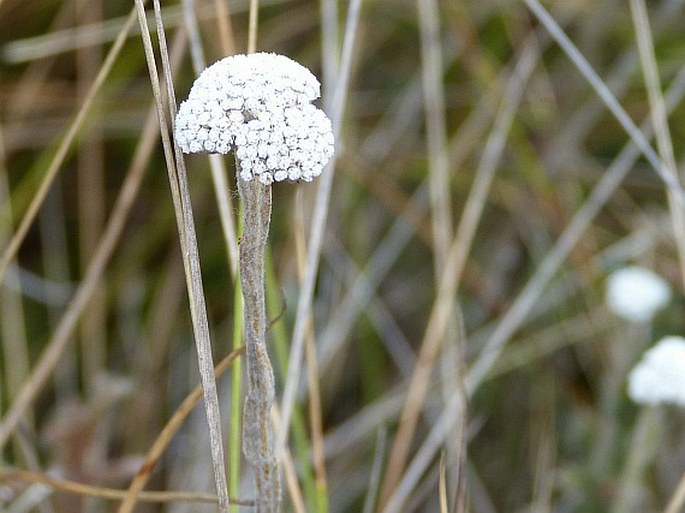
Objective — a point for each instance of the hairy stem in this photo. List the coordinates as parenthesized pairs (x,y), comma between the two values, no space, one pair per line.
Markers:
(259,396)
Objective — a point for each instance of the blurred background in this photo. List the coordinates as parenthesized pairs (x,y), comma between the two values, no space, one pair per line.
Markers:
(482,193)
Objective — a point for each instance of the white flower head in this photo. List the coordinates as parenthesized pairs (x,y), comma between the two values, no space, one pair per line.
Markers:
(660,376)
(636,293)
(258,105)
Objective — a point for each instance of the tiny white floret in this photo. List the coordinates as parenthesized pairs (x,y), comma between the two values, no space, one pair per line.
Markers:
(660,376)
(636,293)
(259,106)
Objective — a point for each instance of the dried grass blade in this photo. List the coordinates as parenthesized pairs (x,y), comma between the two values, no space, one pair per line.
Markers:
(186,228)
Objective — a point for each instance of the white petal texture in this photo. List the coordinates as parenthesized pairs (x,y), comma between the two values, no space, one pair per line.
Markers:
(259,106)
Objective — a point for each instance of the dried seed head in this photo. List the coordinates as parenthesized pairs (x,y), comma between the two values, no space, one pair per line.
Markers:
(259,106)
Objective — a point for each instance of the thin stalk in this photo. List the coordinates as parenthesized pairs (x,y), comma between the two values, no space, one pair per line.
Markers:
(225,206)
(678,498)
(316,424)
(236,393)
(289,472)
(178,182)
(259,395)
(442,486)
(161,312)
(336,107)
(223,23)
(444,426)
(319,491)
(376,470)
(330,37)
(72,487)
(659,117)
(252,26)
(279,337)
(91,211)
(436,131)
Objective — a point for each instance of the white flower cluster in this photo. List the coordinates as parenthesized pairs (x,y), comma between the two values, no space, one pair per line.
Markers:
(636,293)
(660,376)
(258,105)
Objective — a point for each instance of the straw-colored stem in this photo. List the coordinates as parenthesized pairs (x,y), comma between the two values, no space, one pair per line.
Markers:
(91,177)
(320,214)
(252,26)
(436,131)
(659,117)
(259,395)
(678,498)
(279,338)
(180,192)
(316,424)
(85,490)
(223,23)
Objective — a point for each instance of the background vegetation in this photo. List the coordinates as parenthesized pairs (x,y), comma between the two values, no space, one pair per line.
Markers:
(482,193)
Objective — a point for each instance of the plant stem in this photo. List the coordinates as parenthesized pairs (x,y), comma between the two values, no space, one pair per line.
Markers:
(236,391)
(259,396)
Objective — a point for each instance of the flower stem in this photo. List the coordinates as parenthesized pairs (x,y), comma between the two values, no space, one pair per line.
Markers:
(259,396)
(236,393)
